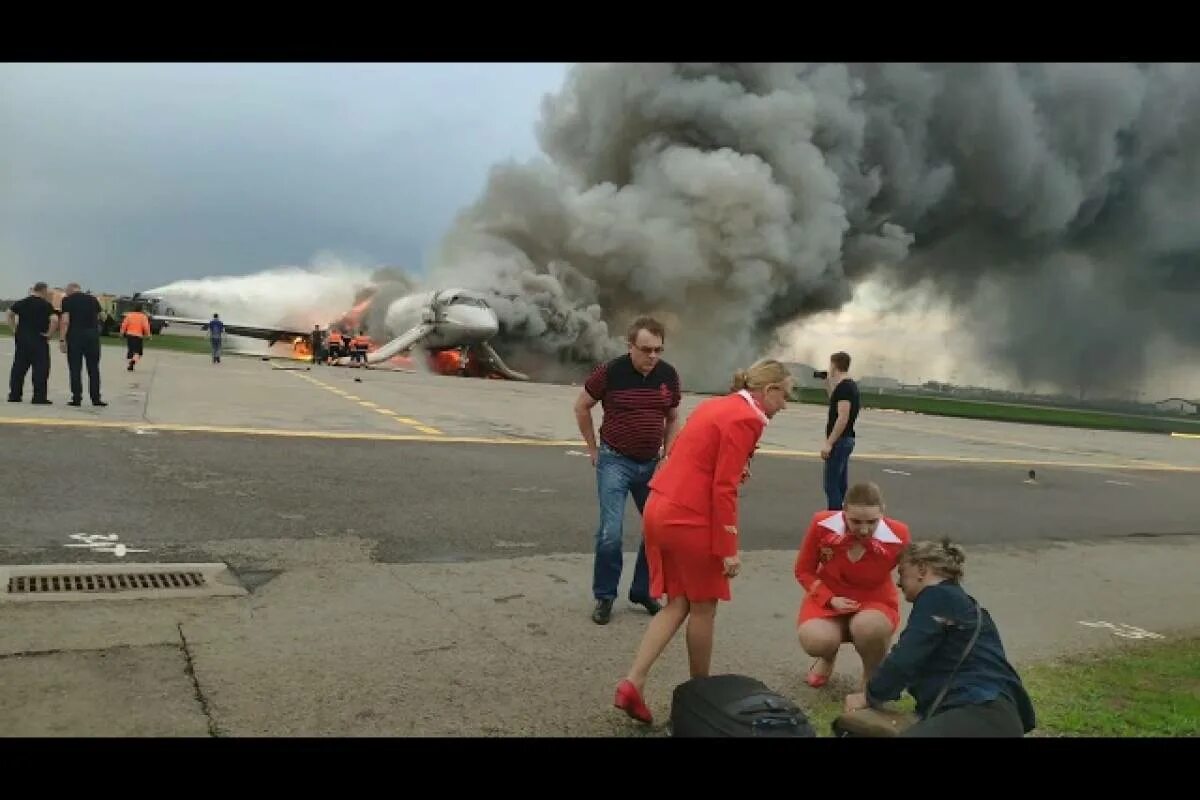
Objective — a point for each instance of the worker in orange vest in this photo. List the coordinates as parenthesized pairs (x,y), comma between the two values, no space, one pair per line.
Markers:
(359,346)
(335,344)
(135,327)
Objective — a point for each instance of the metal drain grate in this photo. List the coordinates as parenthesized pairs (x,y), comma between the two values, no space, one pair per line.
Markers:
(33,583)
(85,583)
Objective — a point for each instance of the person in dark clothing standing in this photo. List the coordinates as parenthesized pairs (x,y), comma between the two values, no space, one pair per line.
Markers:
(640,394)
(844,405)
(316,342)
(33,321)
(80,340)
(949,657)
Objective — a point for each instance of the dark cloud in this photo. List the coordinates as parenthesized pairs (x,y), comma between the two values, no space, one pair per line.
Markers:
(131,176)
(738,198)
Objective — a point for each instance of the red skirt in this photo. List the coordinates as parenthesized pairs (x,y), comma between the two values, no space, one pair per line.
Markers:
(679,553)
(810,609)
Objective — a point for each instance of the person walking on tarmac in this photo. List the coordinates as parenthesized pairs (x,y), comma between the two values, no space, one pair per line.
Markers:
(315,344)
(33,321)
(216,330)
(135,327)
(80,340)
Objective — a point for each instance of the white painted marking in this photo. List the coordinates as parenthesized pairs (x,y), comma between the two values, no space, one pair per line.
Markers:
(504,544)
(103,543)
(1119,483)
(897,472)
(532,489)
(575,453)
(144,432)
(1123,630)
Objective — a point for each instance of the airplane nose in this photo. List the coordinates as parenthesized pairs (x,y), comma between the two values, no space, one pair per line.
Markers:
(481,323)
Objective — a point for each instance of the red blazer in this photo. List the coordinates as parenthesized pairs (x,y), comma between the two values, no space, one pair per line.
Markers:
(825,571)
(704,468)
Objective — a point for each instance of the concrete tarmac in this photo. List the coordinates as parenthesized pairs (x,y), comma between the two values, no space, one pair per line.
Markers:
(418,550)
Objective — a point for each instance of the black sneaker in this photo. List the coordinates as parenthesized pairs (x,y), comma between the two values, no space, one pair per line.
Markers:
(99,403)
(12,399)
(603,612)
(651,605)
(75,401)
(43,402)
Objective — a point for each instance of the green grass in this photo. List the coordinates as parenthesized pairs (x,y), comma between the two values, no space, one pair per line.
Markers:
(164,341)
(1012,412)
(1149,689)
(1144,689)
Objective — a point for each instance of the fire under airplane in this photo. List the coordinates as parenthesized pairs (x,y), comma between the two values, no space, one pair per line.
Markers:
(452,326)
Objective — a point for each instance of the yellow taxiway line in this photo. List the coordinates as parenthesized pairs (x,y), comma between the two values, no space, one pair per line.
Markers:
(1186,435)
(412,423)
(440,437)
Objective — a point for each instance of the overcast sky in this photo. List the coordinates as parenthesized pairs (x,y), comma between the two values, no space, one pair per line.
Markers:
(128,176)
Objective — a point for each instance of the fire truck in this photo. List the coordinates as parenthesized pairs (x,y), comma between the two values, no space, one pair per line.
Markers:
(113,310)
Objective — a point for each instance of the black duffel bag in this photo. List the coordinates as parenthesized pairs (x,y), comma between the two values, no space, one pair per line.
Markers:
(734,705)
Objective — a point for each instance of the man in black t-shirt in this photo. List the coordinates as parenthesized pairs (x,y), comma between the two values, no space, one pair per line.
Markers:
(80,340)
(33,321)
(839,429)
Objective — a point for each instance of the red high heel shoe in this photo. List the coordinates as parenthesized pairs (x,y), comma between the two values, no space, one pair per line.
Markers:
(815,679)
(629,700)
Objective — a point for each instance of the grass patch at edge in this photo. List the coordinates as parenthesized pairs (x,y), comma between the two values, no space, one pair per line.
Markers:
(1145,689)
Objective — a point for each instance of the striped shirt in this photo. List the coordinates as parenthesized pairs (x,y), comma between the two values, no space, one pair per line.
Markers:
(635,405)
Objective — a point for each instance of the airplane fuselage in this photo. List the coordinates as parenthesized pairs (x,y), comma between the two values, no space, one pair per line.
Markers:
(458,317)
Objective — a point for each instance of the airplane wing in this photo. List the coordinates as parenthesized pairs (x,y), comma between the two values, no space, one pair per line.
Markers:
(271,335)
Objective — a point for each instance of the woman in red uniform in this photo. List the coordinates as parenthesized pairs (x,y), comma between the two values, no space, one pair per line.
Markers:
(845,566)
(690,521)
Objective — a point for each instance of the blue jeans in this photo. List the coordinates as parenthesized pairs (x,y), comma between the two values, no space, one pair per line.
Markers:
(216,349)
(837,472)
(616,477)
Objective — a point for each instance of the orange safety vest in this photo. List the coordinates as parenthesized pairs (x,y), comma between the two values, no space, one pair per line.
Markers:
(135,323)
(335,337)
(360,342)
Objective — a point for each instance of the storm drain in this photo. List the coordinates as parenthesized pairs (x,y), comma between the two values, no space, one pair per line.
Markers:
(117,582)
(165,581)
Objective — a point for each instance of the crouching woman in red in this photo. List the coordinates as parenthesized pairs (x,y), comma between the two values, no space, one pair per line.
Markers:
(845,566)
(690,521)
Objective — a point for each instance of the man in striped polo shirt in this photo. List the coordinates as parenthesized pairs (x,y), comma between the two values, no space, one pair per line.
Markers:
(640,395)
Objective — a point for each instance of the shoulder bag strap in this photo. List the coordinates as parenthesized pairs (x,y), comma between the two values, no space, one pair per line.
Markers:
(966,652)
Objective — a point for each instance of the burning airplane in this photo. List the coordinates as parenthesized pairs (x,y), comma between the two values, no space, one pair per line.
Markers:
(452,327)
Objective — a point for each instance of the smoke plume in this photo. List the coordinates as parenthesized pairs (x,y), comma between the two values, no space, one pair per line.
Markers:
(1057,205)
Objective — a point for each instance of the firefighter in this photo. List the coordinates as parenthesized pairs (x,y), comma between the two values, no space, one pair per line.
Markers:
(359,345)
(135,327)
(334,345)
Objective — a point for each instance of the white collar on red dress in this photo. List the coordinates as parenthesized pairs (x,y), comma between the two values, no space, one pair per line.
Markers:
(749,398)
(883,532)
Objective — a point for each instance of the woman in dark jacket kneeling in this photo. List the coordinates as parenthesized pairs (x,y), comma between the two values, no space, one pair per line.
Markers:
(984,697)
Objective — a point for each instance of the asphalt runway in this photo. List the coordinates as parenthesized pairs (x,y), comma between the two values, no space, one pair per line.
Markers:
(427,468)
(176,494)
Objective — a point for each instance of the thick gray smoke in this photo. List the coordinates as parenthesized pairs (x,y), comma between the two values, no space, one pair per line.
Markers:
(1058,204)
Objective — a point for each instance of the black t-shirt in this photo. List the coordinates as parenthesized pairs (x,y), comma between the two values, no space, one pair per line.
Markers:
(84,310)
(33,317)
(846,390)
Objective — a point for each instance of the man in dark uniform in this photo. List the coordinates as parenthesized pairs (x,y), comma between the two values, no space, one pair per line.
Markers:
(33,321)
(315,342)
(80,340)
